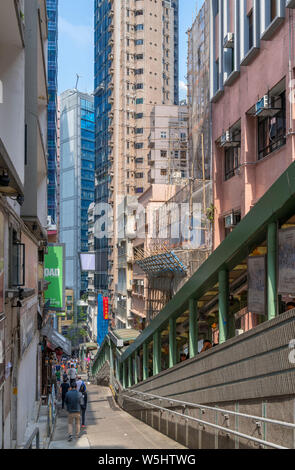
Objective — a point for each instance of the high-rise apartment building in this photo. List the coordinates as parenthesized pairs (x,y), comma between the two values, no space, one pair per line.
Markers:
(76,181)
(168,142)
(136,68)
(52,13)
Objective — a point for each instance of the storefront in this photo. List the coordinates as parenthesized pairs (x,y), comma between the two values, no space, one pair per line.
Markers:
(54,347)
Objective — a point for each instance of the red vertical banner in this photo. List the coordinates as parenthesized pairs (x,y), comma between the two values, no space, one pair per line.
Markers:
(105,308)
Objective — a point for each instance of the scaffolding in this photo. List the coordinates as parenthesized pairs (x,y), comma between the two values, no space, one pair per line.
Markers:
(198,77)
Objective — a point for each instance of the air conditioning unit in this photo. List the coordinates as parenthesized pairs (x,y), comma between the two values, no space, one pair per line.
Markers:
(265,107)
(230,220)
(227,140)
(229,41)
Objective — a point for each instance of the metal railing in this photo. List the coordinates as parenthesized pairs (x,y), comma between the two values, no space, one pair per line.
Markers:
(258,420)
(35,435)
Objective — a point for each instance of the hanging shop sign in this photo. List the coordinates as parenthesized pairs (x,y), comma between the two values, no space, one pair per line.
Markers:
(257,285)
(102,323)
(54,273)
(286,262)
(105,308)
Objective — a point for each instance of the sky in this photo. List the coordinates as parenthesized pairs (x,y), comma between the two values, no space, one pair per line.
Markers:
(76,53)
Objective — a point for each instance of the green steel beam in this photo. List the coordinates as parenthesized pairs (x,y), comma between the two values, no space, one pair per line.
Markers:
(172,342)
(223,306)
(157,353)
(193,328)
(145,361)
(277,203)
(272,297)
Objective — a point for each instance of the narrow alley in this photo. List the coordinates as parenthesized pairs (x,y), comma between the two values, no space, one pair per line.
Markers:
(109,427)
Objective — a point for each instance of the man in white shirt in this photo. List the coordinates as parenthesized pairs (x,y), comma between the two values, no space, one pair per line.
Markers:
(72,374)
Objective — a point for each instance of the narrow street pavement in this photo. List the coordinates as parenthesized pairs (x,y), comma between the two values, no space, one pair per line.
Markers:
(109,427)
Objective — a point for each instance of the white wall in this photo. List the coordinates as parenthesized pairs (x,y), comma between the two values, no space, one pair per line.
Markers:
(27,376)
(12,110)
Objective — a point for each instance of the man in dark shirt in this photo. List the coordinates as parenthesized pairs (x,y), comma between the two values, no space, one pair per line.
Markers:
(64,388)
(72,401)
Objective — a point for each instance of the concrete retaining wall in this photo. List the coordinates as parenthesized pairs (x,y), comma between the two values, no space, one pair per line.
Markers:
(251,373)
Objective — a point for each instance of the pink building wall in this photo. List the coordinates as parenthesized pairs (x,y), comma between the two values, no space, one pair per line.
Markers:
(244,190)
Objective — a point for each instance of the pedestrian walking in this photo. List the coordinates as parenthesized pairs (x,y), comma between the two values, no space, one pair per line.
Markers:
(64,388)
(72,374)
(83,404)
(72,400)
(79,383)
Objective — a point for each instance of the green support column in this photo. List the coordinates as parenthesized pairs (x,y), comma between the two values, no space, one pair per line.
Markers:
(157,353)
(135,369)
(145,361)
(120,369)
(193,328)
(130,371)
(272,298)
(223,306)
(124,375)
(172,342)
(111,359)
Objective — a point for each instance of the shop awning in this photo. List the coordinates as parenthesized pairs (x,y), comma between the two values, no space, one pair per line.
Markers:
(58,340)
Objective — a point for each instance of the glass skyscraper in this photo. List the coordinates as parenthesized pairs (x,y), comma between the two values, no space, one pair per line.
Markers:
(77,169)
(52,13)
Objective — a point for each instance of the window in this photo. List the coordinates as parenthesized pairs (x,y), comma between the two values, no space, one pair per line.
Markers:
(163,153)
(272,130)
(231,221)
(232,161)
(163,135)
(273,10)
(163,172)
(251,30)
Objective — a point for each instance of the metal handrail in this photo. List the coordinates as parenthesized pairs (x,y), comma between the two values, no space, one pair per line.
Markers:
(205,423)
(35,434)
(221,410)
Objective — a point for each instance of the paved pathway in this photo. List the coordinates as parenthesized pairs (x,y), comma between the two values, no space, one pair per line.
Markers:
(109,427)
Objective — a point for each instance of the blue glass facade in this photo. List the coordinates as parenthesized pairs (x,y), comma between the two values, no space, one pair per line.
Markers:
(52,13)
(102,109)
(87,174)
